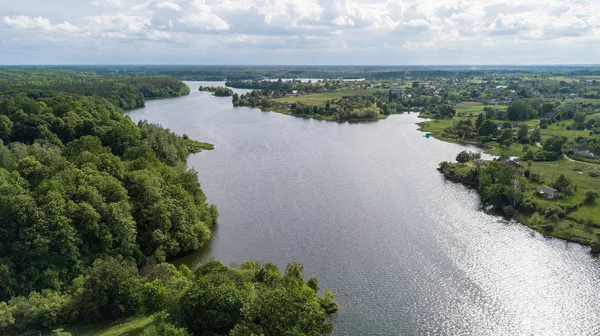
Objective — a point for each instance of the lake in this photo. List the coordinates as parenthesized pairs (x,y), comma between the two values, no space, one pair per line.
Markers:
(363,207)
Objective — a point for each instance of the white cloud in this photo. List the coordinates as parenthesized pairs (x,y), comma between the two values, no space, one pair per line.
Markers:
(108,3)
(38,23)
(168,5)
(327,27)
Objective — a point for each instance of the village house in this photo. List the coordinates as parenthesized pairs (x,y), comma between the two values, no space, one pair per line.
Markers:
(513,164)
(584,151)
(547,192)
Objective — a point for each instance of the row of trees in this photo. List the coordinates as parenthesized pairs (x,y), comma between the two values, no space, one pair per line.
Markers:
(288,86)
(210,299)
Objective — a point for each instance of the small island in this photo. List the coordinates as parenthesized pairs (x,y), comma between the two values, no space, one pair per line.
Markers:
(217,91)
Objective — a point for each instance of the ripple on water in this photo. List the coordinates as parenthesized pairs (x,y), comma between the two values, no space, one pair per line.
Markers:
(362,206)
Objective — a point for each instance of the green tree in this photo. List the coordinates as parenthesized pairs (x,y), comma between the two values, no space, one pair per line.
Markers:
(211,307)
(463,157)
(487,128)
(522,133)
(554,144)
(520,110)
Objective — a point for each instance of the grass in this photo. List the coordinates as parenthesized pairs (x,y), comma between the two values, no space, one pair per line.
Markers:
(194,146)
(575,226)
(474,108)
(131,327)
(319,99)
(586,100)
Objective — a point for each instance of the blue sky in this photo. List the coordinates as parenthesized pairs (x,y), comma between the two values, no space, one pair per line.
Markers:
(320,32)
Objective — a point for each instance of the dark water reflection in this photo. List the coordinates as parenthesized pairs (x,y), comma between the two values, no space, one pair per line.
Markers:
(363,207)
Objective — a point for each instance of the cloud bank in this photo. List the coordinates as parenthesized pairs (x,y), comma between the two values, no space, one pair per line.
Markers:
(306,32)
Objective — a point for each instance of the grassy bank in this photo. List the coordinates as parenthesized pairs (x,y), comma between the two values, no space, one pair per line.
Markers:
(132,327)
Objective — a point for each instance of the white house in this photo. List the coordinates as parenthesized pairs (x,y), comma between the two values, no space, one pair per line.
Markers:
(547,192)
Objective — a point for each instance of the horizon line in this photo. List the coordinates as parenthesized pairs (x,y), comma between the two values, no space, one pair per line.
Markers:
(309,65)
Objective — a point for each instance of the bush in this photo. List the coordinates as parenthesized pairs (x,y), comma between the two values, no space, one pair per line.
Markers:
(590,197)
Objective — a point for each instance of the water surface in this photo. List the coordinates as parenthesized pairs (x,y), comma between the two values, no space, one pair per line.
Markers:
(364,209)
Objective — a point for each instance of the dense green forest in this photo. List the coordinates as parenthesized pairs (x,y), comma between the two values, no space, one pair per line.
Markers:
(80,180)
(88,197)
(126,93)
(235,72)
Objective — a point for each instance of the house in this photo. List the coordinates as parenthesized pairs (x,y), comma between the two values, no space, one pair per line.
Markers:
(583,150)
(547,192)
(513,164)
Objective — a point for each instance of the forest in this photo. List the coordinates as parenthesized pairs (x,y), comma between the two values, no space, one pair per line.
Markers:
(90,201)
(259,73)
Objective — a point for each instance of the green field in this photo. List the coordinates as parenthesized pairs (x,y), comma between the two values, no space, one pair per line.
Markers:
(474,108)
(319,99)
(131,327)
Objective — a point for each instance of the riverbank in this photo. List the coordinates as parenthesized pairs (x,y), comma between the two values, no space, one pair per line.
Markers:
(567,217)
(322,117)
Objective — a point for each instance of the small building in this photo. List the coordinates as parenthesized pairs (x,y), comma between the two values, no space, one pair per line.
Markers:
(547,192)
(480,162)
(512,164)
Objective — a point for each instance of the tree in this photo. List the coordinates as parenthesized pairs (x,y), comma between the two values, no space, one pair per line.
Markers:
(554,144)
(415,84)
(522,133)
(562,183)
(445,111)
(520,110)
(579,117)
(113,290)
(303,314)
(463,157)
(211,307)
(487,128)
(536,135)
(506,135)
(480,120)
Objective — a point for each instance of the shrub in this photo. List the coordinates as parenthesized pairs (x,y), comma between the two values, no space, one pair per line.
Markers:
(591,196)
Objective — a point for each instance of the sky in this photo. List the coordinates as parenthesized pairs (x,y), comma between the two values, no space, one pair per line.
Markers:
(300,32)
